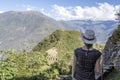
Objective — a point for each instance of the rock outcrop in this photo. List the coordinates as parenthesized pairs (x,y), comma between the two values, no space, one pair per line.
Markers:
(112,49)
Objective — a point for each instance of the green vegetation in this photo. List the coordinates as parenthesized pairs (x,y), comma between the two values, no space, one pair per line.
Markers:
(26,66)
(116,34)
(64,41)
(115,75)
(31,66)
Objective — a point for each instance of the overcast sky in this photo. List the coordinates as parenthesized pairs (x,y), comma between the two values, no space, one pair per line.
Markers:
(66,9)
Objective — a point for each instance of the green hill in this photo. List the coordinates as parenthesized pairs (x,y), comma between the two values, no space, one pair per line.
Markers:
(65,42)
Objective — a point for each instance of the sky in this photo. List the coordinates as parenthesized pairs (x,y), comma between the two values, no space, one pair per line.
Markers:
(66,9)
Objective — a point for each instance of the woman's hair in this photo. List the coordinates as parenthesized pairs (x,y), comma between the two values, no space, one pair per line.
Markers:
(88,47)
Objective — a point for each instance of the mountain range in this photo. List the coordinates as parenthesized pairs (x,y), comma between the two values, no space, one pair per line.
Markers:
(24,30)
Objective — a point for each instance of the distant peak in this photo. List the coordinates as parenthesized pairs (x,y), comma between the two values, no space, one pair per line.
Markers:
(34,13)
(23,12)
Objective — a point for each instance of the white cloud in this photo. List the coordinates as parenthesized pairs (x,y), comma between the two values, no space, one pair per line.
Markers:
(33,8)
(103,11)
(29,7)
(1,11)
(44,12)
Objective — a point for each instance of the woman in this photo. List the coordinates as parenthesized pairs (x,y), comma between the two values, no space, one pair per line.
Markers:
(86,58)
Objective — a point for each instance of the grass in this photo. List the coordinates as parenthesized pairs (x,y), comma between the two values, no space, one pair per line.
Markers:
(115,75)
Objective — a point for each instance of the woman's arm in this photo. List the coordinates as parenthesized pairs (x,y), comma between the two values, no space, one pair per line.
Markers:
(73,66)
(99,64)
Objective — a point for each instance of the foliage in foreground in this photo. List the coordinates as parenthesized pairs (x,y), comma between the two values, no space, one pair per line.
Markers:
(31,66)
(115,75)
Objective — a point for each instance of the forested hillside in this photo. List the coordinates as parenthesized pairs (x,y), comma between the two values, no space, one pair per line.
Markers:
(65,42)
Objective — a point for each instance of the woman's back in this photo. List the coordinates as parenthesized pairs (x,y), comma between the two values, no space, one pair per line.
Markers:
(85,63)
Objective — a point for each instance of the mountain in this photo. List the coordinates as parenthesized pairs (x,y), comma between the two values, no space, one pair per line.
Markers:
(24,30)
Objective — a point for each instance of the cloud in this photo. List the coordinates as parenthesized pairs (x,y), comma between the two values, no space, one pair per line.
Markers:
(1,11)
(29,7)
(45,12)
(33,8)
(103,11)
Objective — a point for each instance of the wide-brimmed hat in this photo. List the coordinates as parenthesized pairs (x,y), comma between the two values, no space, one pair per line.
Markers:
(89,37)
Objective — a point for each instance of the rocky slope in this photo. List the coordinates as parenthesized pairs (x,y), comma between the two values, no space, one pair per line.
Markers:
(112,49)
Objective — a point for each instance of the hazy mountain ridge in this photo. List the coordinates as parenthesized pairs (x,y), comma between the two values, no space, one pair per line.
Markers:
(23,30)
(20,30)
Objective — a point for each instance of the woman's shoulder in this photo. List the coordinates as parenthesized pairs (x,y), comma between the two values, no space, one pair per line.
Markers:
(97,52)
(78,49)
